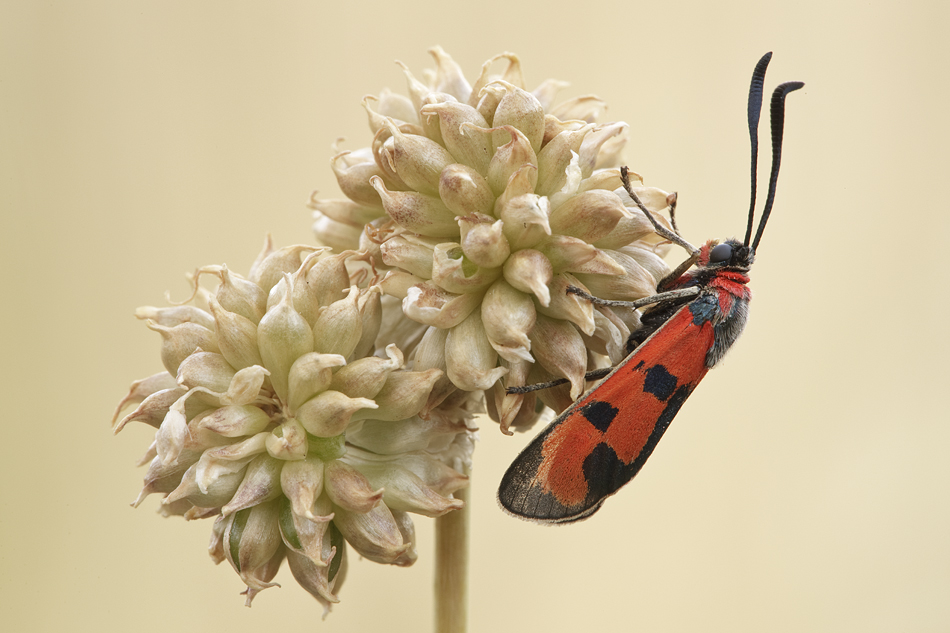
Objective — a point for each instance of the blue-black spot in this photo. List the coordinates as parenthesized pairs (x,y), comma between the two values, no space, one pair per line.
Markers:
(703,309)
(604,472)
(659,382)
(600,414)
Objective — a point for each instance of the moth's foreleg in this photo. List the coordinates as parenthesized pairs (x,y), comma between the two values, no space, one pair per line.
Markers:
(596,374)
(660,230)
(681,293)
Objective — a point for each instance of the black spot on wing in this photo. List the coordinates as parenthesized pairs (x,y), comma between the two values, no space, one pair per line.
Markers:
(600,414)
(604,471)
(605,474)
(660,382)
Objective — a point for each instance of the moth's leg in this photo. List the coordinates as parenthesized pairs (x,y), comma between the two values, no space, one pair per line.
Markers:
(661,230)
(681,293)
(597,374)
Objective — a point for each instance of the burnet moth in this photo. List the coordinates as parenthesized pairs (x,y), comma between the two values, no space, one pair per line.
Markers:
(602,440)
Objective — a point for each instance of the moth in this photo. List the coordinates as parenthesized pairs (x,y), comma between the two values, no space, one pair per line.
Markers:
(603,439)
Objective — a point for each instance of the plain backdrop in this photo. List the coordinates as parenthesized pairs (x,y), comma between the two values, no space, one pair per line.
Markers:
(804,486)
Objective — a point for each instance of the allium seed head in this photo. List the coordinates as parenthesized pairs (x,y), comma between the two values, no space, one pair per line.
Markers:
(270,417)
(484,201)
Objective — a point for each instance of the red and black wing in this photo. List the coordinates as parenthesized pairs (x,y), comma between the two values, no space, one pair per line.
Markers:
(600,443)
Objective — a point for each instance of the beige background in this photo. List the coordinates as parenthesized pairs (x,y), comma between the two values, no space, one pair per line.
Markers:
(805,485)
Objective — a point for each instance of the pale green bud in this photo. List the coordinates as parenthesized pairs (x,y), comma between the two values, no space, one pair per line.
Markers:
(408,253)
(309,375)
(348,488)
(207,370)
(507,316)
(591,156)
(261,483)
(586,108)
(181,341)
(568,306)
(519,109)
(428,304)
(554,158)
(530,271)
(338,327)
(353,171)
(327,414)
(236,421)
(448,76)
(464,191)
(236,336)
(525,220)
(283,336)
(452,271)
(363,378)
(252,539)
(430,124)
(175,315)
(590,216)
(152,410)
(302,482)
(276,265)
(634,283)
(403,395)
(246,386)
(417,212)
(142,389)
(418,161)
(470,358)
(374,534)
(558,346)
(510,158)
(473,150)
(288,441)
(483,240)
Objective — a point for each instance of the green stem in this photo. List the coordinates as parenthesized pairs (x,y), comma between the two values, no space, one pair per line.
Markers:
(451,568)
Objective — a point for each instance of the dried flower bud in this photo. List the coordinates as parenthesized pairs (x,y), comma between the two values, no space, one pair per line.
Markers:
(530,271)
(469,356)
(473,150)
(419,161)
(417,212)
(283,336)
(464,191)
(507,316)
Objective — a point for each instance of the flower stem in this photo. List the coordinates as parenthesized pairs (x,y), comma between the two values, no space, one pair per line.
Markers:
(451,568)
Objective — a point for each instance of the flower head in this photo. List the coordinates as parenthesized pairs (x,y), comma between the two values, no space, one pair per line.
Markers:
(485,201)
(275,416)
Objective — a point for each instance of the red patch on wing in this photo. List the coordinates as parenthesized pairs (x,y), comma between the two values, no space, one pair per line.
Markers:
(680,347)
(562,470)
(628,433)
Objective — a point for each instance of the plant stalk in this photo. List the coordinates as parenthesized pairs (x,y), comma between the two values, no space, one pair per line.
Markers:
(451,568)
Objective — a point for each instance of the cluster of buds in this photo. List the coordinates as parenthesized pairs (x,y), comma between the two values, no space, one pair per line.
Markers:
(306,413)
(485,202)
(275,416)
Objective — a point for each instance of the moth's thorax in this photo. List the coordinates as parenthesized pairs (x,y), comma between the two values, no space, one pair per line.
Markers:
(732,282)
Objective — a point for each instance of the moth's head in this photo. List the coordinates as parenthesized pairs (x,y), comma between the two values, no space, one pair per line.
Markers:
(729,253)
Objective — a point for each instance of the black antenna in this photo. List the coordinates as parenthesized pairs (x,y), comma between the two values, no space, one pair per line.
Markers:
(755,107)
(778,126)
